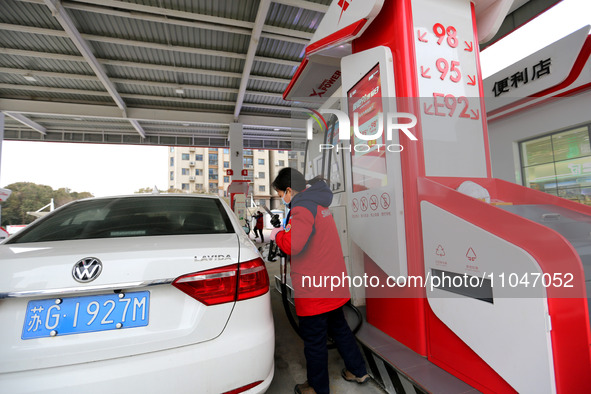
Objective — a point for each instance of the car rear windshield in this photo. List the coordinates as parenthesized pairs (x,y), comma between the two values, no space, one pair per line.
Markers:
(129,217)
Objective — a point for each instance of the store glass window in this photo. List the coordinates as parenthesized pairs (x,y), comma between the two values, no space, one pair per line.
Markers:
(559,164)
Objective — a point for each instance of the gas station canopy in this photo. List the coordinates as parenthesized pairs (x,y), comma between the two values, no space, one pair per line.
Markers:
(163,72)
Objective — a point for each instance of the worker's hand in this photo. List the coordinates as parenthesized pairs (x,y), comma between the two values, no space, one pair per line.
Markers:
(275,231)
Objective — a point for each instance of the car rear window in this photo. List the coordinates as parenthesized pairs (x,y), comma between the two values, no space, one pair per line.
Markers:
(129,217)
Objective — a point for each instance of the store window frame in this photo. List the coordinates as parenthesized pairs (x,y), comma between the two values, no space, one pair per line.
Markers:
(575,192)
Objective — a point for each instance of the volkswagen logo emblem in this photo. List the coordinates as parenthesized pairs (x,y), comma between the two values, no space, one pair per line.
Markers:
(87,269)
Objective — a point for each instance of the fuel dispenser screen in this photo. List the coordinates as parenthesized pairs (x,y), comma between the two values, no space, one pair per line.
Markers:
(368,158)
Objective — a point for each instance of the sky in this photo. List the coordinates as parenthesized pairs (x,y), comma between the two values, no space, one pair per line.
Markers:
(100,169)
(123,169)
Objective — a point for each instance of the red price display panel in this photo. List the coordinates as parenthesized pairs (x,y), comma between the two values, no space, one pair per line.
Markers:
(368,157)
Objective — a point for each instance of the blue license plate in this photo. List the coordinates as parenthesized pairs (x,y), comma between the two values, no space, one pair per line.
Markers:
(64,316)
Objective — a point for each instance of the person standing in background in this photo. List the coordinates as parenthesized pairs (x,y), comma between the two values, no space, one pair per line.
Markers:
(259,225)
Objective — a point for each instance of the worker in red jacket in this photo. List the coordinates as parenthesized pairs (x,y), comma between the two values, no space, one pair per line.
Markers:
(258,227)
(311,239)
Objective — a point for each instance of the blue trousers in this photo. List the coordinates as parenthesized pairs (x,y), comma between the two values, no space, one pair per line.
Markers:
(314,331)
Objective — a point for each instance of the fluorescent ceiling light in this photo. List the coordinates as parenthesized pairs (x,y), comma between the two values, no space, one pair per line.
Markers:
(180,91)
(29,78)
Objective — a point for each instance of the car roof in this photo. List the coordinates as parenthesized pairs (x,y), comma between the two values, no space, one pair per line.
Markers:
(160,195)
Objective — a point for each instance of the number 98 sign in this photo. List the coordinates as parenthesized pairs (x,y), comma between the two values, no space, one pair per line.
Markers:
(442,33)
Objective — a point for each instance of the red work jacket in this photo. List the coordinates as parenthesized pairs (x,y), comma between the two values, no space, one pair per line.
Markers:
(318,271)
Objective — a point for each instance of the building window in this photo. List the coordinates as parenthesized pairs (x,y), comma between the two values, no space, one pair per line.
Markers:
(213,174)
(199,186)
(226,151)
(213,159)
(226,179)
(198,172)
(559,164)
(185,156)
(172,175)
(172,149)
(172,161)
(198,157)
(280,151)
(213,187)
(281,163)
(226,164)
(261,175)
(185,171)
(262,161)
(248,163)
(261,188)
(185,186)
(248,152)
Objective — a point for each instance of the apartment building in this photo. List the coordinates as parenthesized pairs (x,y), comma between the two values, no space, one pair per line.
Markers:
(204,170)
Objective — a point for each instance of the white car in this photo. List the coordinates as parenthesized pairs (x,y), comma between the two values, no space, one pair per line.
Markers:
(135,294)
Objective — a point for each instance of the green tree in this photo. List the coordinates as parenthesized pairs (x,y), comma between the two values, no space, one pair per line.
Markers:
(63,196)
(28,197)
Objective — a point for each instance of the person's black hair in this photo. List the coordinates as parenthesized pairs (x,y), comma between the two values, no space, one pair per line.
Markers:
(290,177)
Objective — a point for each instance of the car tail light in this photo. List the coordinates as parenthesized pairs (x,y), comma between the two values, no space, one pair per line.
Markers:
(226,284)
(254,279)
(211,287)
(244,388)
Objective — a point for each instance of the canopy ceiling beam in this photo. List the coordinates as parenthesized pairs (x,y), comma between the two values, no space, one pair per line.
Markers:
(250,55)
(27,122)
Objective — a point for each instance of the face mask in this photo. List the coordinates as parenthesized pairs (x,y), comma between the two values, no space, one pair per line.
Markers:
(282,199)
